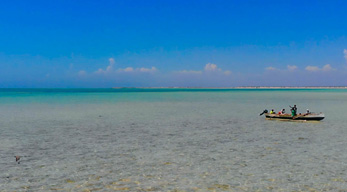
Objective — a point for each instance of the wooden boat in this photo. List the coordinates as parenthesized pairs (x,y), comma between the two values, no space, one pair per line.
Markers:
(302,117)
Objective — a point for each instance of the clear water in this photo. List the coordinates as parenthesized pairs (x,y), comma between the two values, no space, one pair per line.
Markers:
(170,140)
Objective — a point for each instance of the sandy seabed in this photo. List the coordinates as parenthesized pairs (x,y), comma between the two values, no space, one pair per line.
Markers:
(178,142)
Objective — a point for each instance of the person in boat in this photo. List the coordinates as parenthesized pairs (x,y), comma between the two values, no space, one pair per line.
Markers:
(281,112)
(307,112)
(272,111)
(293,110)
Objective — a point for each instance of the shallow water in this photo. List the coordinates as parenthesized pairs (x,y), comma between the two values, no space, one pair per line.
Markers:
(164,140)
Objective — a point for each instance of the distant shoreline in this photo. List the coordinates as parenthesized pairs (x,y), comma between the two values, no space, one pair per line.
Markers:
(240,87)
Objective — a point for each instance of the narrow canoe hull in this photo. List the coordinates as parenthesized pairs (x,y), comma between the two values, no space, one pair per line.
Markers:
(303,117)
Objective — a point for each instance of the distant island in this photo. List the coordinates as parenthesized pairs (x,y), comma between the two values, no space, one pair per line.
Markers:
(241,87)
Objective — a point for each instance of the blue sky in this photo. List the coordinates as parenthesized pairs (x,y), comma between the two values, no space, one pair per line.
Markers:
(173,43)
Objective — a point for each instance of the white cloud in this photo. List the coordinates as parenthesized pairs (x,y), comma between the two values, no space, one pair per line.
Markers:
(312,68)
(146,70)
(190,72)
(227,72)
(82,73)
(211,67)
(270,68)
(325,68)
(291,67)
(111,60)
(108,69)
(142,70)
(128,69)
(345,54)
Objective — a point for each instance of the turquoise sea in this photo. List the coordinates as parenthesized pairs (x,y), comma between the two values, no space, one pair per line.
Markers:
(171,140)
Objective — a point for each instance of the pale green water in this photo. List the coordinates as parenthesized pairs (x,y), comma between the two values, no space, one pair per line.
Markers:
(170,139)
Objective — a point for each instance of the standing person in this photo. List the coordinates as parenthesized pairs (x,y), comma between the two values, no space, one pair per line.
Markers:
(293,110)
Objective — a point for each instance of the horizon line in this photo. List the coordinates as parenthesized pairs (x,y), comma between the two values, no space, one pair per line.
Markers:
(193,87)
